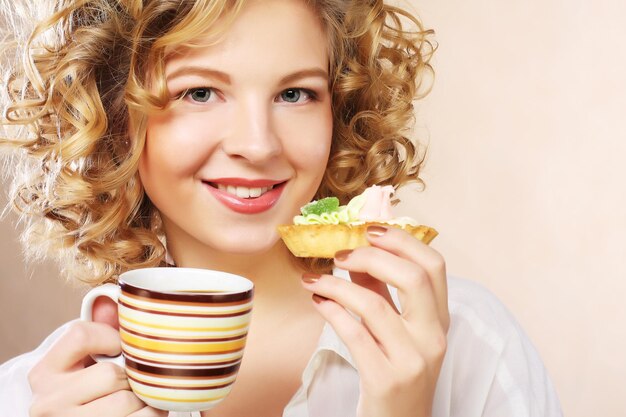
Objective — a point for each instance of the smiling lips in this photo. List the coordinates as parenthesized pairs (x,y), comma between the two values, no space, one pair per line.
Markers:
(246,196)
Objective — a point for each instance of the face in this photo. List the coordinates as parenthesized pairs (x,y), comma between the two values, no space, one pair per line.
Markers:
(248,143)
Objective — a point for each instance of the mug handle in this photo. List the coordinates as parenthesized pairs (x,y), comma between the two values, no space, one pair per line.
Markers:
(86,313)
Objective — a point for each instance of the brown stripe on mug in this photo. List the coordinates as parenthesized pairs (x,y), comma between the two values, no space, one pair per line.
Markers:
(176,372)
(190,339)
(189,378)
(174,363)
(189,297)
(183,303)
(183,388)
(167,313)
(184,378)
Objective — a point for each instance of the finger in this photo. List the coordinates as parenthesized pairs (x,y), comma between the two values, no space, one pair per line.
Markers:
(81,339)
(105,311)
(360,343)
(402,244)
(367,281)
(118,404)
(377,316)
(413,283)
(149,412)
(96,381)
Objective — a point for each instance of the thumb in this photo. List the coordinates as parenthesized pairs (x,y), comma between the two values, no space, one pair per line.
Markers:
(105,311)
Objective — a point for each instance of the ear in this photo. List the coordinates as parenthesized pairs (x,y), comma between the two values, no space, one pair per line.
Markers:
(105,311)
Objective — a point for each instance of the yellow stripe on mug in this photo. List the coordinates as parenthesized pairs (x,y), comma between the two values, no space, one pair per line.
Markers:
(242,326)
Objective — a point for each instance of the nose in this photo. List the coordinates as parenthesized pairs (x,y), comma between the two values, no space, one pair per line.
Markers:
(253,136)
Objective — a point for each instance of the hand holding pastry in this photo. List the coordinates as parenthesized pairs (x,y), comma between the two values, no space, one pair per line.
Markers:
(398,354)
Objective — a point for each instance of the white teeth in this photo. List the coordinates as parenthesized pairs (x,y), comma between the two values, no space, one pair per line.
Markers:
(244,192)
(255,192)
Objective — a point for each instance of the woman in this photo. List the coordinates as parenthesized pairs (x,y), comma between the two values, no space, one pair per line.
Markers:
(186,132)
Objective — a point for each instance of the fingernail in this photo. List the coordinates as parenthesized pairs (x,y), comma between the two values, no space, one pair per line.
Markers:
(318,299)
(376,231)
(310,278)
(342,255)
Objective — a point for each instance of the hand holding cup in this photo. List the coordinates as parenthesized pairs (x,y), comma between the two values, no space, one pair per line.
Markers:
(183,332)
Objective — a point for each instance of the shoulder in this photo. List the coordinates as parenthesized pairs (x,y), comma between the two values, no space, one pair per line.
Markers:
(479,318)
(473,305)
(15,395)
(480,327)
(491,360)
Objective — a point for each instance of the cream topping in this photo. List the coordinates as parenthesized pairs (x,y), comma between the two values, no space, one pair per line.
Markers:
(373,205)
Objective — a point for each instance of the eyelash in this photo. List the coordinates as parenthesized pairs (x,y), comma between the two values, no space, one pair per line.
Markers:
(312,95)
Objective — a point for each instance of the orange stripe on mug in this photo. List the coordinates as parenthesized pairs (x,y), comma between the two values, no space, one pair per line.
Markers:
(181,347)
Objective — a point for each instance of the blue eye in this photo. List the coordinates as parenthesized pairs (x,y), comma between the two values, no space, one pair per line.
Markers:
(297,95)
(200,95)
(291,96)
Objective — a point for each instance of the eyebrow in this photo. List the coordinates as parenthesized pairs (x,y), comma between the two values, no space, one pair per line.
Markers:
(225,78)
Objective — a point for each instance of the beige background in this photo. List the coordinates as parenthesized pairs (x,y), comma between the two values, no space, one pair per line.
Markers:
(525,184)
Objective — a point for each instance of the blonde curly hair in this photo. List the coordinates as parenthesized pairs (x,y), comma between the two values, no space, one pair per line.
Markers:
(77,84)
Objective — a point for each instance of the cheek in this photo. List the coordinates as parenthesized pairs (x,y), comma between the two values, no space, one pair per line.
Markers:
(307,142)
(173,146)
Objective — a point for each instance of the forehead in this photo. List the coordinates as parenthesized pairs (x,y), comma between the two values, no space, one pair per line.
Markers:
(267,34)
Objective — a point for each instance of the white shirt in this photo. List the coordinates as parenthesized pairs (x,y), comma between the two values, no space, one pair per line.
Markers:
(491,369)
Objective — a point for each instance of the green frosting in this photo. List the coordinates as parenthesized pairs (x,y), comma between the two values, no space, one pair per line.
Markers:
(320,207)
(329,212)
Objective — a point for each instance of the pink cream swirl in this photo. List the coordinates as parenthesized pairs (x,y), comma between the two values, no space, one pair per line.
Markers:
(377,206)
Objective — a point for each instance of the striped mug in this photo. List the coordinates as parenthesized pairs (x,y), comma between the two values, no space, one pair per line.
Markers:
(183,332)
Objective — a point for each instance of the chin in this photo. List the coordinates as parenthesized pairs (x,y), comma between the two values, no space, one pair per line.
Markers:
(245,244)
